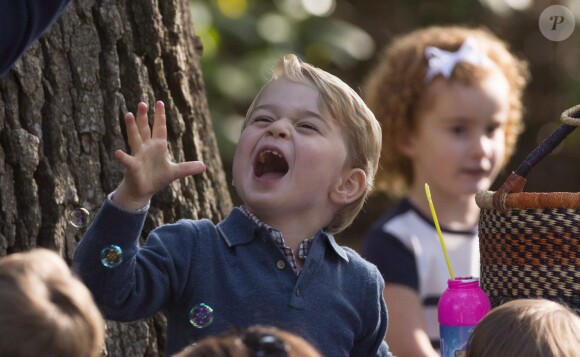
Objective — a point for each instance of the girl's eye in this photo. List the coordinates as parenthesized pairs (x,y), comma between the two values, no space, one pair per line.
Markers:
(490,130)
(458,130)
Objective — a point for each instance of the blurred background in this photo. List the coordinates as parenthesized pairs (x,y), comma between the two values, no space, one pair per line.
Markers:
(242,39)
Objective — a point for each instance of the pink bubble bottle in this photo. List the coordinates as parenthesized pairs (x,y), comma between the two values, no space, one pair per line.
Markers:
(460,308)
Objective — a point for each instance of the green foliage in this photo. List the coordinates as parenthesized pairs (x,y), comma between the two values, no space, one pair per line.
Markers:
(243,39)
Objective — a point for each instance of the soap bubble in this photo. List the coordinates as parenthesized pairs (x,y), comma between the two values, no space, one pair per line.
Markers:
(111,256)
(201,316)
(79,217)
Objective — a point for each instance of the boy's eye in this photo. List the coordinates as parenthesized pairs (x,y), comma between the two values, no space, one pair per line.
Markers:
(309,126)
(261,120)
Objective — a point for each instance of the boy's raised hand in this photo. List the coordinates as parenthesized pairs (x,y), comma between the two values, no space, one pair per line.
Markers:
(148,168)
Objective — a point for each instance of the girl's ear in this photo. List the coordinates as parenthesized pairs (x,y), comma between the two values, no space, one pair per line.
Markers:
(406,145)
(350,187)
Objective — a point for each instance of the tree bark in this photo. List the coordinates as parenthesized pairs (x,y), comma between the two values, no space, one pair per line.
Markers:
(61,110)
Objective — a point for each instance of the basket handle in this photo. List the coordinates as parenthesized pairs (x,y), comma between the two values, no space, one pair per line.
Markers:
(516,180)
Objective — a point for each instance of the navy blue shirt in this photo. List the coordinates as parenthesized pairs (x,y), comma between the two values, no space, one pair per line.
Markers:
(210,278)
(21,23)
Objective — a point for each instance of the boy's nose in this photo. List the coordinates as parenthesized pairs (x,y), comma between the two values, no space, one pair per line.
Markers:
(278,129)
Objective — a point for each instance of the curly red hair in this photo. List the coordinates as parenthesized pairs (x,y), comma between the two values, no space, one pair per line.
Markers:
(395,86)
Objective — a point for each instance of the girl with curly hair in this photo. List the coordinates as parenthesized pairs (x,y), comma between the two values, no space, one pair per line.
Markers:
(449,100)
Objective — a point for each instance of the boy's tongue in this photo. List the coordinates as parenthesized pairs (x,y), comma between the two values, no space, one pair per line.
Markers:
(272,175)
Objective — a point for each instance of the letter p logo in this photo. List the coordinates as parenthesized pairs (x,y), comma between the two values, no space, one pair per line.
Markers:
(556,20)
(556,23)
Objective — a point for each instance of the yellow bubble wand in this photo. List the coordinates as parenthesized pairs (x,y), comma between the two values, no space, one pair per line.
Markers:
(428,193)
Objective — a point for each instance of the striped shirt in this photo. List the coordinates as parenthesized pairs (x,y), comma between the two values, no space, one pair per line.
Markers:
(405,247)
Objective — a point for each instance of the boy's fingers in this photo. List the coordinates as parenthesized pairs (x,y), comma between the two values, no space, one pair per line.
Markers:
(189,168)
(133,136)
(123,158)
(160,122)
(143,121)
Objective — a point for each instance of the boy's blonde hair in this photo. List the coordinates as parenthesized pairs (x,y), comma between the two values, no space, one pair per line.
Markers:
(340,102)
(527,327)
(45,310)
(395,86)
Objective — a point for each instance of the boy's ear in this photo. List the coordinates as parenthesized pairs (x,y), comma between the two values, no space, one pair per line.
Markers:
(350,187)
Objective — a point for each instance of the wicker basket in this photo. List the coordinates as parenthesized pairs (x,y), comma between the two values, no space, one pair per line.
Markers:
(529,242)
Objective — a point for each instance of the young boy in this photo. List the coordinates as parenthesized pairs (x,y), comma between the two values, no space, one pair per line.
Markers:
(303,166)
(45,310)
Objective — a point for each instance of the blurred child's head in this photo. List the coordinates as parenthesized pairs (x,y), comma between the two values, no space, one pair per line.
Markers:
(401,89)
(45,310)
(254,341)
(527,327)
(340,104)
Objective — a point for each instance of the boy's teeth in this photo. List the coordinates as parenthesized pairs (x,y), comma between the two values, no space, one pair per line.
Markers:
(263,155)
(273,152)
(271,163)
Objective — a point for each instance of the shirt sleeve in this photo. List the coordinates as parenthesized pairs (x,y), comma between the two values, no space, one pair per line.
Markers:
(395,261)
(21,23)
(144,279)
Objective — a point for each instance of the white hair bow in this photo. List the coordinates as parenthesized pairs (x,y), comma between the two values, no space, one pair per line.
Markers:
(441,61)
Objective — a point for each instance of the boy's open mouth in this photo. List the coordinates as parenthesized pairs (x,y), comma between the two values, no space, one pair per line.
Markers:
(270,164)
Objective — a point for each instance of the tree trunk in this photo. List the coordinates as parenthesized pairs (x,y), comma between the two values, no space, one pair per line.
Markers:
(61,110)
